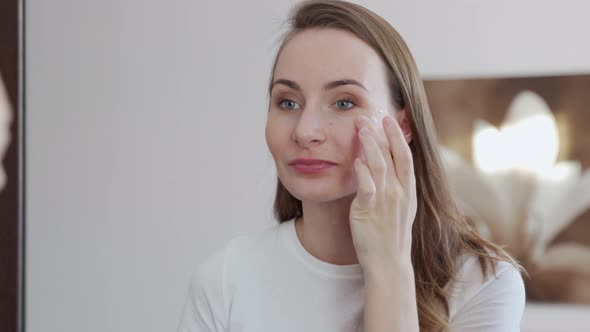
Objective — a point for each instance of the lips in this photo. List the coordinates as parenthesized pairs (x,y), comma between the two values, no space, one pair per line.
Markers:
(311,166)
(311,162)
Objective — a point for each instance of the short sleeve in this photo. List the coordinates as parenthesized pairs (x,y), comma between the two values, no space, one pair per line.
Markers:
(497,307)
(204,305)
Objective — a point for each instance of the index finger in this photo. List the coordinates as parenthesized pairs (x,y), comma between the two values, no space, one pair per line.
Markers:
(400,151)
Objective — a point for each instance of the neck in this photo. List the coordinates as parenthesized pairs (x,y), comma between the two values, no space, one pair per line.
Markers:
(324,231)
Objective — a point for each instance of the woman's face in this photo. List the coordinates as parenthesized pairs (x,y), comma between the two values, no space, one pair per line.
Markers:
(311,118)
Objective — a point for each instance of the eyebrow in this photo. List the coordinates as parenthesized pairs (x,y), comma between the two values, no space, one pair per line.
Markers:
(327,86)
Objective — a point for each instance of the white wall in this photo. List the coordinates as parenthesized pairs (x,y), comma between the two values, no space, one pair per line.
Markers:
(145,133)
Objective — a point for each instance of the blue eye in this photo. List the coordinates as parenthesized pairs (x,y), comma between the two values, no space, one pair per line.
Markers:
(345,102)
(287,104)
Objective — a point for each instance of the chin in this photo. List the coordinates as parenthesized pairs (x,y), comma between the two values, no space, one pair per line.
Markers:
(316,193)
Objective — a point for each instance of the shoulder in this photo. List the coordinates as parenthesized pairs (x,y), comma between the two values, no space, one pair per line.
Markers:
(491,302)
(216,263)
(207,278)
(238,251)
(212,282)
(204,309)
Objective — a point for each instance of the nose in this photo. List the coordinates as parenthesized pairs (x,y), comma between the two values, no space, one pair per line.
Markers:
(310,129)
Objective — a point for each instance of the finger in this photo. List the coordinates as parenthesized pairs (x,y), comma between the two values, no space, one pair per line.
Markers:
(380,137)
(374,158)
(390,175)
(366,187)
(400,150)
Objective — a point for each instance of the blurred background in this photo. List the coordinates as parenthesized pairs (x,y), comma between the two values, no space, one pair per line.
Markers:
(518,154)
(145,119)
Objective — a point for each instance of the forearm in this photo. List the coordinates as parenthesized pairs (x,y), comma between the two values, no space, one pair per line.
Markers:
(390,300)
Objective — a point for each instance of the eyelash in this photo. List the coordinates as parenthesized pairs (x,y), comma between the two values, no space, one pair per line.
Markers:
(339,100)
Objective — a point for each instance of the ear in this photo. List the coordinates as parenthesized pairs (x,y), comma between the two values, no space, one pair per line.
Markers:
(404,123)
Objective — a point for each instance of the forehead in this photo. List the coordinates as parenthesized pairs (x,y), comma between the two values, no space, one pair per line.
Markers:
(315,56)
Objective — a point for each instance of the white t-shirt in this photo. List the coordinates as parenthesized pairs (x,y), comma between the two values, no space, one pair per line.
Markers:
(268,282)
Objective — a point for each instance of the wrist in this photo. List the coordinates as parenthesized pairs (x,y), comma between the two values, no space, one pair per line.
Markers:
(398,272)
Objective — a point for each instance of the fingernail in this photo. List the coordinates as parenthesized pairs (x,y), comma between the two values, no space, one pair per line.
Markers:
(364,131)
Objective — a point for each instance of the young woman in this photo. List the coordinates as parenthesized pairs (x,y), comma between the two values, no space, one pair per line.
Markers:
(369,238)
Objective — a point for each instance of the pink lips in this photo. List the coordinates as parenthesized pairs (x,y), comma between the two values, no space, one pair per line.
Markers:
(311,166)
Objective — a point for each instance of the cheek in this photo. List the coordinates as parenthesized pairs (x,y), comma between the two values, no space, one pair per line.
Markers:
(271,137)
(277,136)
(349,141)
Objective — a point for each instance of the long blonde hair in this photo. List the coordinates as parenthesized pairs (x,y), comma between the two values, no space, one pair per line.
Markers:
(440,233)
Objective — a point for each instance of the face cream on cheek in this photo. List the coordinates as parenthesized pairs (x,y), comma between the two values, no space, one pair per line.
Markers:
(377,119)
